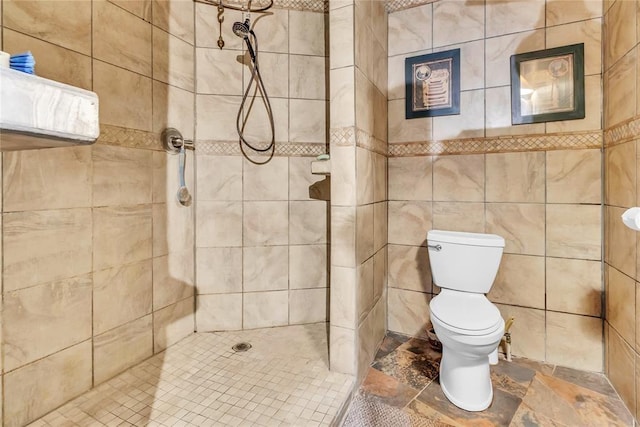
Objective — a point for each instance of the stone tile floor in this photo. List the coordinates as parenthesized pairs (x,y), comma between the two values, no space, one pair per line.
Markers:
(402,389)
(282,380)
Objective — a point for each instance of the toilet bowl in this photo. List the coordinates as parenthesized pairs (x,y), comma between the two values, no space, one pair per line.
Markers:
(468,325)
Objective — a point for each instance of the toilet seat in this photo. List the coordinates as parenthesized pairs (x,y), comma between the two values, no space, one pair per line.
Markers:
(466,313)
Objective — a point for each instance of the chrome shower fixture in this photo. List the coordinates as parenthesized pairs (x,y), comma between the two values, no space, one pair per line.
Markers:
(243,30)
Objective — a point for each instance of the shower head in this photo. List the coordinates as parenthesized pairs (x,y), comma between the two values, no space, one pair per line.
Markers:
(241,29)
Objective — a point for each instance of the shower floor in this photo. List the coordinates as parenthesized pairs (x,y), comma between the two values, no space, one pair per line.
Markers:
(282,380)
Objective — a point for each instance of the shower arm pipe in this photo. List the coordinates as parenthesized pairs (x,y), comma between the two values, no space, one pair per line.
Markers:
(234,7)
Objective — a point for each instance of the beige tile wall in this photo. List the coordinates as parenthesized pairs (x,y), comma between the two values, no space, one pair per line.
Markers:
(358,62)
(621,89)
(99,272)
(262,241)
(547,205)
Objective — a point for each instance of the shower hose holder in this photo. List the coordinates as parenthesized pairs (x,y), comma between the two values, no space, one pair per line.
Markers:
(173,142)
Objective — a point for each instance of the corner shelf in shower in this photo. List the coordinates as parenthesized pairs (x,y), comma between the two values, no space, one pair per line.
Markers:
(39,113)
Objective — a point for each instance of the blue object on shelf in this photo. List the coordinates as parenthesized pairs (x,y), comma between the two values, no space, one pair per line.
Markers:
(23,62)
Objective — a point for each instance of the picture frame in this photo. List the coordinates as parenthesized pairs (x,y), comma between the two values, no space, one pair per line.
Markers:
(548,85)
(432,84)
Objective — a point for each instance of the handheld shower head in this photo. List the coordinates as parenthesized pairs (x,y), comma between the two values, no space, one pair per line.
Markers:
(242,30)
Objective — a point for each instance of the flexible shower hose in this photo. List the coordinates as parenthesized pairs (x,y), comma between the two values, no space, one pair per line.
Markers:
(256,78)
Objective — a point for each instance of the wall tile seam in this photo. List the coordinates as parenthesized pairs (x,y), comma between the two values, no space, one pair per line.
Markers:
(607,263)
(86,340)
(155,309)
(124,324)
(49,283)
(631,346)
(620,59)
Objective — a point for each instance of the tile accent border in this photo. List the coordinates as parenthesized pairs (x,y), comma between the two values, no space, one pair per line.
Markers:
(398,5)
(283,149)
(130,138)
(502,144)
(348,136)
(622,132)
(301,5)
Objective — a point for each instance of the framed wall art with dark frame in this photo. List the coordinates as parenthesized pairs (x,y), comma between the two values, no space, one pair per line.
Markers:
(432,84)
(548,85)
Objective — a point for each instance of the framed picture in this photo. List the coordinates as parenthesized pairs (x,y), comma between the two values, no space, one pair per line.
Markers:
(432,84)
(548,85)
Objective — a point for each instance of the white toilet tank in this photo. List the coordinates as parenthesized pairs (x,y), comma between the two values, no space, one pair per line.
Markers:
(464,261)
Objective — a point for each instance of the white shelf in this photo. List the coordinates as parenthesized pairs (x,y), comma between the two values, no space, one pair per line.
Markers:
(41,113)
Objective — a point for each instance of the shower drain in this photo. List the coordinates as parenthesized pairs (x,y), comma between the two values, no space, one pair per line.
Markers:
(241,346)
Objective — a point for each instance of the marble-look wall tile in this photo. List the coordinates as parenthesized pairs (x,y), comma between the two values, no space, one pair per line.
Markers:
(35,389)
(520,281)
(574,176)
(574,341)
(364,233)
(219,177)
(265,268)
(410,178)
(457,22)
(207,27)
(528,331)
(471,63)
(343,297)
(173,60)
(621,365)
(343,175)
(522,225)
(129,47)
(122,347)
(121,176)
(265,309)
(562,11)
(308,222)
(218,224)
(216,117)
(342,96)
(173,229)
(273,30)
(409,222)
(54,62)
(402,130)
(380,225)
(620,86)
(380,273)
(364,289)
(409,268)
(620,27)
(620,169)
(341,23)
(266,182)
(300,178)
(515,177)
(342,350)
(587,32)
(513,17)
(395,74)
(468,124)
(173,278)
(175,17)
(410,30)
(308,266)
(308,306)
(307,77)
(574,286)
(219,270)
(47,179)
(380,178)
(221,312)
(44,319)
(121,294)
(257,131)
(277,84)
(172,323)
(140,8)
(459,178)
(364,105)
(620,246)
(218,72)
(459,216)
(265,223)
(65,24)
(574,231)
(173,107)
(408,312)
(620,299)
(343,236)
(130,226)
(38,244)
(364,176)
(306,33)
(498,50)
(366,347)
(125,96)
(498,114)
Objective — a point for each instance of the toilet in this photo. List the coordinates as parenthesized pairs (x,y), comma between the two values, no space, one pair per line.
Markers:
(469,326)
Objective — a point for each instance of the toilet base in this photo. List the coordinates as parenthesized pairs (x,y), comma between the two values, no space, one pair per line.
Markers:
(466,381)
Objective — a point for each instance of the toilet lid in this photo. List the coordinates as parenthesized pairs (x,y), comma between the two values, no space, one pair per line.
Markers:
(466,311)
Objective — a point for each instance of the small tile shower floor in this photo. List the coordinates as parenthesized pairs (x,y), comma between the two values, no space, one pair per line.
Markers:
(401,389)
(282,380)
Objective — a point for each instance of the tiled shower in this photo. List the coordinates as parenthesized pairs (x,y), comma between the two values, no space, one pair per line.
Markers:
(102,268)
